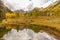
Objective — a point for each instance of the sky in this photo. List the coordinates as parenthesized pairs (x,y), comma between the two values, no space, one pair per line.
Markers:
(26,5)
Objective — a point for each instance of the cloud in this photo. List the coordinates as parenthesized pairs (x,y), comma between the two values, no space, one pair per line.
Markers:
(26,5)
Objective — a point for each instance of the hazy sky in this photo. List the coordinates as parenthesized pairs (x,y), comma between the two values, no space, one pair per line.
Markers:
(26,5)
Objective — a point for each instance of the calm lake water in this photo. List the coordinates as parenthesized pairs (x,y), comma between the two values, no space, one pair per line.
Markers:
(27,34)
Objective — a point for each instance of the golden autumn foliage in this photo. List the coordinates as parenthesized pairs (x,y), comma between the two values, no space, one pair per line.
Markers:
(8,27)
(10,15)
(52,11)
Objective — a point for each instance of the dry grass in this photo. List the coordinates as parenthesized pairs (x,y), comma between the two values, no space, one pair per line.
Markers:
(46,21)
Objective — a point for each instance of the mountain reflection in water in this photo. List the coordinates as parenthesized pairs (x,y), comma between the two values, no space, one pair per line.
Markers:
(27,34)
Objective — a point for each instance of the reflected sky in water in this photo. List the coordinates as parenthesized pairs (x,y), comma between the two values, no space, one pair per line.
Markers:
(27,34)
